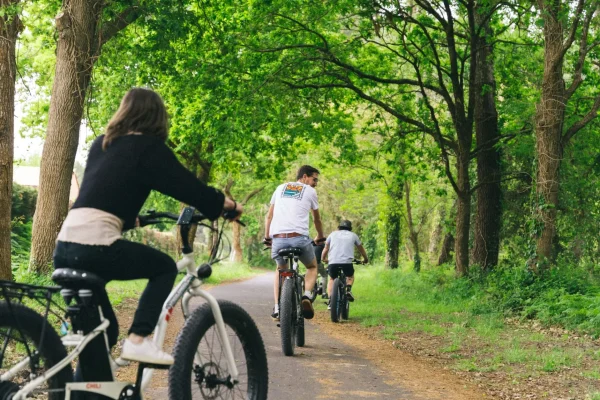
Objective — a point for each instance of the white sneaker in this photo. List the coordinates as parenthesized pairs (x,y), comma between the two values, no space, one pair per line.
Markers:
(145,352)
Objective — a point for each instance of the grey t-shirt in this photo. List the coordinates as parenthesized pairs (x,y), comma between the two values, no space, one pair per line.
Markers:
(341,246)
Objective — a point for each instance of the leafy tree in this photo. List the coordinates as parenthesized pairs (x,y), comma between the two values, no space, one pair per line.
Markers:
(564,108)
(416,61)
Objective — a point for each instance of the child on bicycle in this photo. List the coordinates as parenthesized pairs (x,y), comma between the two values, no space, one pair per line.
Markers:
(123,166)
(339,252)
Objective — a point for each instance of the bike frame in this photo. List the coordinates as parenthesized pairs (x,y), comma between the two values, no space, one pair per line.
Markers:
(188,288)
(342,277)
(293,273)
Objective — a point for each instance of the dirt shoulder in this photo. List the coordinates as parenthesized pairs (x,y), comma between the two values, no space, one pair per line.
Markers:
(401,368)
(570,369)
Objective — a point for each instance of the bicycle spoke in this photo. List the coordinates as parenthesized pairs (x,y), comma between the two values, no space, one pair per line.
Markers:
(213,363)
(16,346)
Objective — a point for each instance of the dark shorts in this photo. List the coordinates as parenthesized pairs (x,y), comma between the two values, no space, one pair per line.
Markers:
(334,270)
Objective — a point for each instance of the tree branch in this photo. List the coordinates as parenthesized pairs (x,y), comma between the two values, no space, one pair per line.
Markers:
(579,125)
(124,19)
(584,49)
(569,42)
(252,194)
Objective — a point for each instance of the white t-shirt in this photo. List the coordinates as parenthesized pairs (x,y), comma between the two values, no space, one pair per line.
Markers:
(341,246)
(293,202)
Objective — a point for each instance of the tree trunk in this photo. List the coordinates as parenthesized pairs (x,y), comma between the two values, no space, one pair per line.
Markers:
(10,25)
(463,210)
(436,233)
(79,42)
(489,208)
(445,253)
(76,27)
(408,249)
(392,231)
(236,252)
(412,232)
(549,127)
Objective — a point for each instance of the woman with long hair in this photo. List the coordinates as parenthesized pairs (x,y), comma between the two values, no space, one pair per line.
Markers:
(123,166)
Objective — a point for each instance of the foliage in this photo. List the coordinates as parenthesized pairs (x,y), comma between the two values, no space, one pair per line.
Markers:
(23,202)
(254,90)
(20,243)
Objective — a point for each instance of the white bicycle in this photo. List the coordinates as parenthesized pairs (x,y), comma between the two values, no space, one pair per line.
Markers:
(219,353)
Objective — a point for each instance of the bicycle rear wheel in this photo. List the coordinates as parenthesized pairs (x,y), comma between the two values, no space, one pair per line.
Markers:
(335,301)
(345,307)
(288,317)
(20,335)
(200,370)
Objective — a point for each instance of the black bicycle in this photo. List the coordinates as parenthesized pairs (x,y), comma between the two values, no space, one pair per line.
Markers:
(339,302)
(320,287)
(219,353)
(291,287)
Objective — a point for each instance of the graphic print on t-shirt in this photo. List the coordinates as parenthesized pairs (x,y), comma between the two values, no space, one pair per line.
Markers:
(292,191)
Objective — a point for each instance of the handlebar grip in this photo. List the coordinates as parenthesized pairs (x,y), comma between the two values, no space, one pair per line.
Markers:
(231,214)
(147,220)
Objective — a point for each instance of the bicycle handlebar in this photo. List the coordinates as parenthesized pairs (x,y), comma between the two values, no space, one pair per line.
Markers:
(152,217)
(354,261)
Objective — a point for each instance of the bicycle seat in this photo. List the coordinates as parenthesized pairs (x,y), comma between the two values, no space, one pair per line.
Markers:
(290,250)
(77,279)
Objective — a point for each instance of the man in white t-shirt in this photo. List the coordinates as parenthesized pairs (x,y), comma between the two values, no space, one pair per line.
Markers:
(287,224)
(339,252)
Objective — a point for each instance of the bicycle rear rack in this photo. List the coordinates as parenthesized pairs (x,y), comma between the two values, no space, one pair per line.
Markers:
(13,292)
(17,293)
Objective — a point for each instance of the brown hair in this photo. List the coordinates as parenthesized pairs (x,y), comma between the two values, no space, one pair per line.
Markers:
(141,110)
(306,169)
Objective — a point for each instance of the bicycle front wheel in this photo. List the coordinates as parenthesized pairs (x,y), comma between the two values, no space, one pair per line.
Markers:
(200,370)
(23,332)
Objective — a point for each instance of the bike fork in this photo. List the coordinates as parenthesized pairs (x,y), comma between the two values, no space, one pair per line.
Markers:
(221,331)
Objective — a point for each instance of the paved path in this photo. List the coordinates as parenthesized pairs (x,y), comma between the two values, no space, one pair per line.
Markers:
(323,369)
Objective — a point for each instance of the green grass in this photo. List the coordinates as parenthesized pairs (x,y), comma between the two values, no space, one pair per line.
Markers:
(222,272)
(446,309)
(120,290)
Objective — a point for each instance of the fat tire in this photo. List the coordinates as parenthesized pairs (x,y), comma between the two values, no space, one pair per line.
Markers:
(300,334)
(333,302)
(287,317)
(189,338)
(345,308)
(30,323)
(313,294)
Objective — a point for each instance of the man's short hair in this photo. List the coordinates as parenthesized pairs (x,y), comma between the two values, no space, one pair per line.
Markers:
(308,170)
